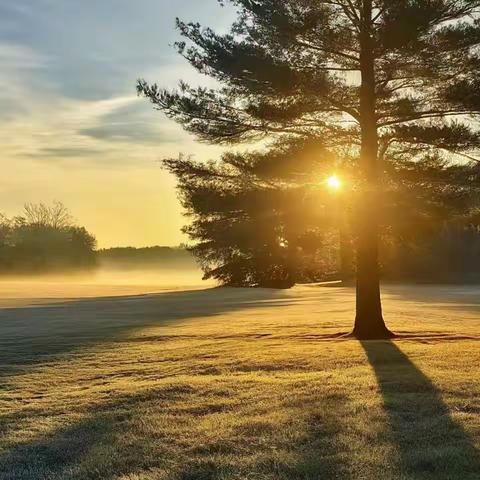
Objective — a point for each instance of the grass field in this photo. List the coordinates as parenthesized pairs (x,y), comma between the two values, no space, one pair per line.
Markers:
(238,384)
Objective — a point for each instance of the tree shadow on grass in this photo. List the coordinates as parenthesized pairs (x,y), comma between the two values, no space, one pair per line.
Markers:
(110,442)
(102,445)
(431,444)
(40,334)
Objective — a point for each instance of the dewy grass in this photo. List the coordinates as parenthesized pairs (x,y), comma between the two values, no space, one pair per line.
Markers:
(240,384)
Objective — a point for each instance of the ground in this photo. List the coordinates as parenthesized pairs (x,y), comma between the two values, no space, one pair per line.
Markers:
(237,384)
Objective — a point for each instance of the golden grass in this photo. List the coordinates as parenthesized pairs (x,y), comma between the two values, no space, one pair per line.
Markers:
(240,384)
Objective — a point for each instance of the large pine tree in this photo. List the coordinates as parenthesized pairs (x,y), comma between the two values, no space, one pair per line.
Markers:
(375,79)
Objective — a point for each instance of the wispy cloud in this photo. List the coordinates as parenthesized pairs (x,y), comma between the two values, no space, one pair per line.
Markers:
(67,152)
(20,57)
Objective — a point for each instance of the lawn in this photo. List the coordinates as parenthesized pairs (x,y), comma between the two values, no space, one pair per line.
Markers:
(239,384)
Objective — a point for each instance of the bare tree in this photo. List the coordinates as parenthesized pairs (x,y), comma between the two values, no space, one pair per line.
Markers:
(55,215)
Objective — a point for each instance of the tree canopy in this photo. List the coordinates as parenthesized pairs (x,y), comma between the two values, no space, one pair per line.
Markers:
(257,219)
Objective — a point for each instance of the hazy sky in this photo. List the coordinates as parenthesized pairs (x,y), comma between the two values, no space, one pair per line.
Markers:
(72,128)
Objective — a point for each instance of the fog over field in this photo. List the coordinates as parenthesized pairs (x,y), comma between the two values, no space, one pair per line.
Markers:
(101,282)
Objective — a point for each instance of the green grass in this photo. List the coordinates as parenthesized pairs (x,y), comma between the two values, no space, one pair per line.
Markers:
(237,384)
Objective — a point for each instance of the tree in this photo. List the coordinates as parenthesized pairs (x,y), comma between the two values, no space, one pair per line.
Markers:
(374,78)
(44,239)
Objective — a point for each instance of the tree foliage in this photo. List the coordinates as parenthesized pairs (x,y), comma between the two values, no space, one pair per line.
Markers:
(42,239)
(256,219)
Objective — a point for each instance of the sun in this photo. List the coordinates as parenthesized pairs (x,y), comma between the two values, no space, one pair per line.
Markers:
(334,183)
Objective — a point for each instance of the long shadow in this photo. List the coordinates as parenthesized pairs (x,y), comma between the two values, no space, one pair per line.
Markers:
(431,445)
(101,446)
(109,443)
(40,334)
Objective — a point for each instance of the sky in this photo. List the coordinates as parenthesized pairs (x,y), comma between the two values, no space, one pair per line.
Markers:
(72,128)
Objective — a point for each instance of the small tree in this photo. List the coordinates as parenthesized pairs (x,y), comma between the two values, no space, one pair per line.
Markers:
(375,79)
(43,239)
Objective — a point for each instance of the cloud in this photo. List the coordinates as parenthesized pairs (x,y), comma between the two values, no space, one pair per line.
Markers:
(135,122)
(67,152)
(97,49)
(18,67)
(14,56)
(49,127)
(126,132)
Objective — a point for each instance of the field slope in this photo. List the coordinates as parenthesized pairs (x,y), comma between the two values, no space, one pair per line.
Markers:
(239,384)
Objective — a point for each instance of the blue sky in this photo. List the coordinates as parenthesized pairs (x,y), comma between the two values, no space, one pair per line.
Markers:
(73,128)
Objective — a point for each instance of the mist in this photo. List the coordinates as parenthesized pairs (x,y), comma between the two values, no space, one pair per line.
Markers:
(103,281)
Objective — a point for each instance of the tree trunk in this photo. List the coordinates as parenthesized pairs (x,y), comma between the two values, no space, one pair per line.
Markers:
(369,323)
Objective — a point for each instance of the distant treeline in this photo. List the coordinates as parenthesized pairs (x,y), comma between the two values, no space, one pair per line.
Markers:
(45,239)
(42,239)
(148,257)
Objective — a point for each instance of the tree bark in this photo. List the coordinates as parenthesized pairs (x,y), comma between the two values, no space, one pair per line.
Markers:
(369,323)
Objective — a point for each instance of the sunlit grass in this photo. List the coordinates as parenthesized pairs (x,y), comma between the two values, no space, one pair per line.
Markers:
(240,384)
